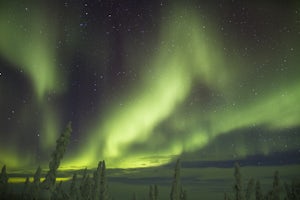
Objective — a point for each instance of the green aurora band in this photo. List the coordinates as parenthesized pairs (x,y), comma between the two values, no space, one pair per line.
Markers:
(185,60)
(27,41)
(190,56)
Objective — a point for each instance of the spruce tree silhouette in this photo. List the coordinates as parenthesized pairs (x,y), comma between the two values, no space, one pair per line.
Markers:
(57,155)
(250,189)
(35,189)
(134,197)
(26,190)
(104,195)
(276,187)
(74,191)
(85,186)
(3,183)
(156,193)
(174,195)
(258,192)
(151,193)
(96,179)
(238,188)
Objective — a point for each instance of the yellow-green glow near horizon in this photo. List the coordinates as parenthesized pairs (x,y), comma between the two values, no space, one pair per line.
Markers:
(23,179)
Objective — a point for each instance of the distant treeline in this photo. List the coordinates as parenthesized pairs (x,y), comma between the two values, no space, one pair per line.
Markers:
(96,187)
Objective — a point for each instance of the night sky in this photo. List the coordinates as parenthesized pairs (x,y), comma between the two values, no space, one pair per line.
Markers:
(146,82)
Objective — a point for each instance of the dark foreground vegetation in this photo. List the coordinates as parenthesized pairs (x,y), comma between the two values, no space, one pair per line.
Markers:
(96,187)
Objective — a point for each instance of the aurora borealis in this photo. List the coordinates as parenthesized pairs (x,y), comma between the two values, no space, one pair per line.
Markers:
(146,82)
